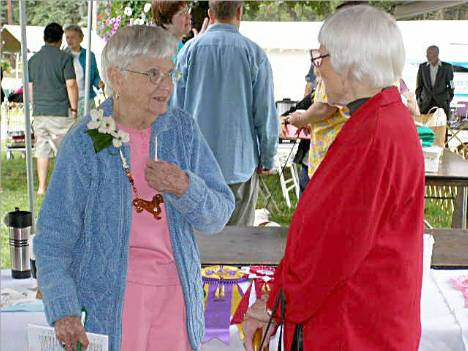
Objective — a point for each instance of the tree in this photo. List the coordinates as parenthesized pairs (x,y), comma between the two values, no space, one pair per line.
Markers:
(42,12)
(67,12)
(288,10)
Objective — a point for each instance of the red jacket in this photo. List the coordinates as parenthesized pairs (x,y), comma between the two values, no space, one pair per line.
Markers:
(352,269)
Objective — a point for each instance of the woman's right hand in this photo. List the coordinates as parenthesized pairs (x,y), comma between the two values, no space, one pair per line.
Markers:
(69,331)
(297,119)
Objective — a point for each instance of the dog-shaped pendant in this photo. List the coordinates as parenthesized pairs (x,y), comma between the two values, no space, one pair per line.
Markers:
(152,206)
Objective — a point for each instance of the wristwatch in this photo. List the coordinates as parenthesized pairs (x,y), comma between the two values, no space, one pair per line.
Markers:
(73,109)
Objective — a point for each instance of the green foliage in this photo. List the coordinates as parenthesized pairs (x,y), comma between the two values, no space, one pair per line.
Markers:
(388,6)
(6,66)
(42,12)
(100,140)
(288,10)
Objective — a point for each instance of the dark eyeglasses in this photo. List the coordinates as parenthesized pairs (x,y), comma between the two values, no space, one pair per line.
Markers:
(316,58)
(155,76)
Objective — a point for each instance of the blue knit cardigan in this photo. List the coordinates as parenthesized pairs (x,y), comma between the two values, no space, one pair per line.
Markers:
(83,229)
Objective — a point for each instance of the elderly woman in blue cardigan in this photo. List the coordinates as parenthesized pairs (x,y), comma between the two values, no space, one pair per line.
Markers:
(131,183)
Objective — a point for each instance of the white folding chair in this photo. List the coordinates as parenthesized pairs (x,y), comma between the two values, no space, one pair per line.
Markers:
(285,155)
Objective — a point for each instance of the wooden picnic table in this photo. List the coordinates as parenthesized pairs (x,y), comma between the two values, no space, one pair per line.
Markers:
(453,171)
(243,246)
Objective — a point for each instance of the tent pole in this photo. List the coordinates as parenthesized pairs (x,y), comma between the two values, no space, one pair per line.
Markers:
(88,59)
(27,118)
(18,57)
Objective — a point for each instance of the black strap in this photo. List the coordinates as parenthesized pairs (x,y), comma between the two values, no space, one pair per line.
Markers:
(298,342)
(282,318)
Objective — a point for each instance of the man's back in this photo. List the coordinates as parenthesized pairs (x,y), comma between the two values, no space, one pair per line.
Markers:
(227,85)
(48,71)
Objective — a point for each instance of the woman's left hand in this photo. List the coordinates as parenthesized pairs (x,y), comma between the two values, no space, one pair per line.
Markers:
(163,177)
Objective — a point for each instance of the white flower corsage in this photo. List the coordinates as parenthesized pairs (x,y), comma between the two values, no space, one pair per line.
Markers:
(104,132)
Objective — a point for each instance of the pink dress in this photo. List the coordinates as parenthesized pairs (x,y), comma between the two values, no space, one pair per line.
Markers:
(154,308)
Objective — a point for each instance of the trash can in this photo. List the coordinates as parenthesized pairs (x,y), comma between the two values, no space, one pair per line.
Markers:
(19,225)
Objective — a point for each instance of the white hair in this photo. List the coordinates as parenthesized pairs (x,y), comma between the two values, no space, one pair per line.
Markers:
(134,41)
(367,42)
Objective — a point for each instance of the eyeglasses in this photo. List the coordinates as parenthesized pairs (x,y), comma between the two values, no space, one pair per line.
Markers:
(187,10)
(316,58)
(155,76)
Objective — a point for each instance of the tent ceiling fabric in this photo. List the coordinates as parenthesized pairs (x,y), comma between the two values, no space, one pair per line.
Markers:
(9,43)
(414,8)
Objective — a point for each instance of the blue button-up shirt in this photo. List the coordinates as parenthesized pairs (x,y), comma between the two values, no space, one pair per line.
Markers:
(227,85)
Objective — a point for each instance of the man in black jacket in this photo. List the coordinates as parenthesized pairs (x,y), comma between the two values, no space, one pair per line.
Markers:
(434,86)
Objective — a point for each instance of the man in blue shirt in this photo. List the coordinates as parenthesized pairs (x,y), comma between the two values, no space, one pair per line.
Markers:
(227,85)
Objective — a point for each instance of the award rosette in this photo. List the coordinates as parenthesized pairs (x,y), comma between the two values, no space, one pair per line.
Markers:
(262,278)
(222,295)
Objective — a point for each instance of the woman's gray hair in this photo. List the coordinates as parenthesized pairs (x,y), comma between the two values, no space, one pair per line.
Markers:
(131,42)
(366,41)
(75,28)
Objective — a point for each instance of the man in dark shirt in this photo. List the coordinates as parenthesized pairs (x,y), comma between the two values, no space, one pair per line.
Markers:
(55,97)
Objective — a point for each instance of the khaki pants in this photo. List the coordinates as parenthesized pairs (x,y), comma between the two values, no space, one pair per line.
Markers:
(246,195)
(49,132)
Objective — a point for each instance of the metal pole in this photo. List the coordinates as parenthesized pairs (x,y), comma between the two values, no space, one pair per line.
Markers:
(27,119)
(18,56)
(464,206)
(88,58)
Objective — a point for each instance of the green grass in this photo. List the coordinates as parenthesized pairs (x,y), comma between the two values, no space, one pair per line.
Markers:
(14,194)
(436,216)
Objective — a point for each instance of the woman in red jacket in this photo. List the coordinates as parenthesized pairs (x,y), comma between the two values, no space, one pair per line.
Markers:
(351,273)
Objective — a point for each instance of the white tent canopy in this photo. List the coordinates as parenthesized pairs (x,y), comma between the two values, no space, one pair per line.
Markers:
(287,45)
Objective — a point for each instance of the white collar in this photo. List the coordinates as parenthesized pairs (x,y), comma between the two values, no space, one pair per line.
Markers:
(439,63)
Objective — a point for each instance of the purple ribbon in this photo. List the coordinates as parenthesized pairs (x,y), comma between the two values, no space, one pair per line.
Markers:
(218,314)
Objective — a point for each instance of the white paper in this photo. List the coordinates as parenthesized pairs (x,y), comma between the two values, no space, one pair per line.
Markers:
(41,338)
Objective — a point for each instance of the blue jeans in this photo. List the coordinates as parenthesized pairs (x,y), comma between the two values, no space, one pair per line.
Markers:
(303,178)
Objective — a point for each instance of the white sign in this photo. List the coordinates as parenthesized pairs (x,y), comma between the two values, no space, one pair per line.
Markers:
(42,338)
